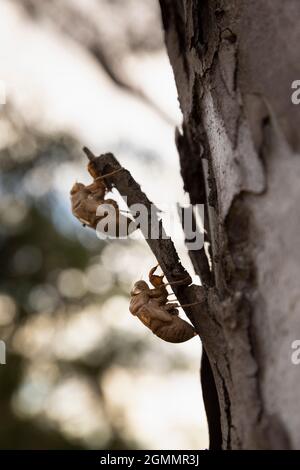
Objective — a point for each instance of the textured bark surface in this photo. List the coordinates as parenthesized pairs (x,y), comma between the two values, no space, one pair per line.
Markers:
(234,62)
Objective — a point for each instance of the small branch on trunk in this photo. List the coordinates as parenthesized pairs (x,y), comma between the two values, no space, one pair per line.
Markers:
(162,246)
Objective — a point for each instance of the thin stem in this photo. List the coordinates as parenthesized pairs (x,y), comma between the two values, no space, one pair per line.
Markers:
(191,305)
(182,281)
(108,174)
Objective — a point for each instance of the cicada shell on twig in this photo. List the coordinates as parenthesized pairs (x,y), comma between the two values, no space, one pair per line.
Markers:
(151,306)
(87,202)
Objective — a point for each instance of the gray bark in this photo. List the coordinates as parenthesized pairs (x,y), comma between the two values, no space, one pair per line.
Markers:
(234,62)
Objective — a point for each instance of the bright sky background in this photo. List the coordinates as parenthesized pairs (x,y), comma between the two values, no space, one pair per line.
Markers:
(56,86)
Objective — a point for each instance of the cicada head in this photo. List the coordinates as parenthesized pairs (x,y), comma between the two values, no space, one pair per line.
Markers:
(76,188)
(139,287)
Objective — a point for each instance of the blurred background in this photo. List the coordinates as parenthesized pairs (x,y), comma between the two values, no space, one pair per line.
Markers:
(81,371)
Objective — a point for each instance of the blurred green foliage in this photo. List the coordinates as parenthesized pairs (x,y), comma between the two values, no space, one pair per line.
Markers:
(28,232)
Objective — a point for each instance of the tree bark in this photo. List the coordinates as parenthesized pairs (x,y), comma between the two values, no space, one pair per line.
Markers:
(234,62)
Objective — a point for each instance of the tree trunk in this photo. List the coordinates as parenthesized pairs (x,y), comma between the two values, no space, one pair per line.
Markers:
(234,62)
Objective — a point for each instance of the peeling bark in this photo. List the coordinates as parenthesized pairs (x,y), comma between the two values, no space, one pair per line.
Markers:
(234,62)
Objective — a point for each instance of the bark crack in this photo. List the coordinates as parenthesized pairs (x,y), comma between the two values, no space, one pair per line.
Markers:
(226,408)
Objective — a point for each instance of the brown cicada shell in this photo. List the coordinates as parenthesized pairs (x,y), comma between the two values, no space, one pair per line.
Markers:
(151,306)
(85,201)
